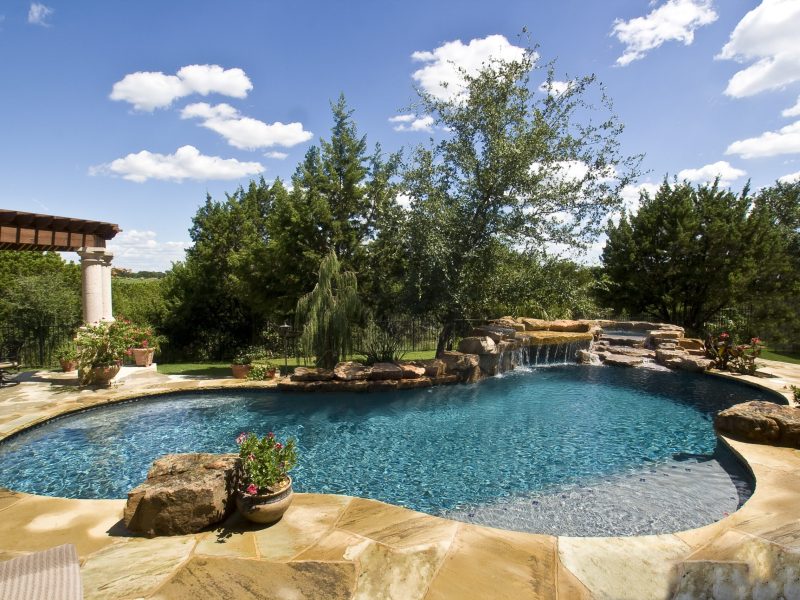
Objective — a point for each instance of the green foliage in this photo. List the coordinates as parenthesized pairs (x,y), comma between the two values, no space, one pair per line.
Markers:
(100,345)
(140,300)
(249,355)
(381,343)
(261,370)
(266,462)
(796,394)
(502,178)
(688,253)
(67,352)
(329,313)
(38,289)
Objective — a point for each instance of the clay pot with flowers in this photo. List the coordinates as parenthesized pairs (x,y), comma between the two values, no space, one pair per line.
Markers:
(100,350)
(265,488)
(144,344)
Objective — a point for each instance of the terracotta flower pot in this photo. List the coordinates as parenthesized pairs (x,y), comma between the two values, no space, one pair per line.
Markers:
(240,371)
(265,508)
(68,365)
(103,375)
(143,356)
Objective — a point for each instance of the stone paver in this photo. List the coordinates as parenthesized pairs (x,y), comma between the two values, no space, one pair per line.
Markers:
(340,547)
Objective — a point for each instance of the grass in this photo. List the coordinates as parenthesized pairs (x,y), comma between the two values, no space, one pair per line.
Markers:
(223,369)
(787,357)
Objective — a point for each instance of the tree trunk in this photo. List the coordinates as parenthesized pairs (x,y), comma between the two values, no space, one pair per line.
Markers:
(445,335)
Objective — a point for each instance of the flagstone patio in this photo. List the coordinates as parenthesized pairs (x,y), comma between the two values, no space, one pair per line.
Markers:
(329,546)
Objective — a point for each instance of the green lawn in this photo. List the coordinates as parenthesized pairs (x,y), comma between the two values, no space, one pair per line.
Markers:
(223,369)
(788,357)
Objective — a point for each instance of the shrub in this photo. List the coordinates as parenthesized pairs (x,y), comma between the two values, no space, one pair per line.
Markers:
(266,462)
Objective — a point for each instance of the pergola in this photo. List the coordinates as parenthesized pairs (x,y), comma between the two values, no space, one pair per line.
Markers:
(31,231)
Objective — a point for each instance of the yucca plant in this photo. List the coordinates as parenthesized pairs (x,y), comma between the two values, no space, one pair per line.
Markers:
(328,314)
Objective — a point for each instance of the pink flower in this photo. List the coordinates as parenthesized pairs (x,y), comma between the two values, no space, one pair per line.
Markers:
(755,340)
(278,446)
(144,343)
(270,435)
(723,336)
(252,489)
(241,438)
(251,457)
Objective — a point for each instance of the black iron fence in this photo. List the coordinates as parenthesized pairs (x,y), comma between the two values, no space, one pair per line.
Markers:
(40,343)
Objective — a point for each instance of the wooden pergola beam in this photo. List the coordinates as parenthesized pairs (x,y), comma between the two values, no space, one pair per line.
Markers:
(31,231)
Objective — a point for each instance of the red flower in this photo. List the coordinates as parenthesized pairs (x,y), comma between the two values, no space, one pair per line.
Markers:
(144,343)
(723,336)
(278,446)
(252,489)
(251,457)
(755,340)
(241,437)
(270,435)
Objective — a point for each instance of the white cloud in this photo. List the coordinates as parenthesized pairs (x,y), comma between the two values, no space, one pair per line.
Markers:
(244,132)
(38,14)
(673,20)
(442,75)
(148,90)
(768,35)
(186,163)
(631,195)
(708,173)
(404,200)
(790,178)
(793,111)
(555,88)
(770,143)
(276,155)
(412,123)
(141,251)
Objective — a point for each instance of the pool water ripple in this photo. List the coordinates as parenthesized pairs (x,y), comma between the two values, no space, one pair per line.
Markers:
(461,450)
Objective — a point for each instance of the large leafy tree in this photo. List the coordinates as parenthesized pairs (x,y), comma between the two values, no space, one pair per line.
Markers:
(689,252)
(516,169)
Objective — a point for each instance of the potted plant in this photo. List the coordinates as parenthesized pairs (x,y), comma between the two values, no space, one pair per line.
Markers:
(262,369)
(100,352)
(144,344)
(242,363)
(68,357)
(265,488)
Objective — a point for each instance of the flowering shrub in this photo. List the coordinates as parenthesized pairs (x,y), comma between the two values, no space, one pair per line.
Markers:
(266,462)
(737,358)
(260,370)
(144,337)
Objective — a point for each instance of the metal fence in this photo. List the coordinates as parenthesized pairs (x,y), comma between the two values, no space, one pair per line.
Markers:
(40,343)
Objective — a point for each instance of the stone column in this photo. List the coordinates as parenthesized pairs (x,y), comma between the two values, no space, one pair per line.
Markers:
(96,280)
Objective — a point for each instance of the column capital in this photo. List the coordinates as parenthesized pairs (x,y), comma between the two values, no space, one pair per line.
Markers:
(95,254)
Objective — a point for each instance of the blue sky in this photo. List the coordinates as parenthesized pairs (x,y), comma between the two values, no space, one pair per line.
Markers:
(130,112)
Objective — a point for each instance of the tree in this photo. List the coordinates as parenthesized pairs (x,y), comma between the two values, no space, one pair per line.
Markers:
(690,252)
(328,314)
(515,170)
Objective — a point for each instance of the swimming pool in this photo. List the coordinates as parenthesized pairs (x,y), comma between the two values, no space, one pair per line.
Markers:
(501,450)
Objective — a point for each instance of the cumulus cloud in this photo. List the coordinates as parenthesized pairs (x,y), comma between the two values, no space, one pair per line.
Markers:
(185,163)
(770,143)
(277,155)
(412,123)
(245,132)
(555,88)
(674,20)
(142,251)
(790,178)
(768,37)
(38,14)
(631,195)
(148,90)
(793,111)
(708,173)
(444,67)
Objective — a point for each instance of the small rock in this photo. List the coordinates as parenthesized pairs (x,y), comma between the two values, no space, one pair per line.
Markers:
(620,360)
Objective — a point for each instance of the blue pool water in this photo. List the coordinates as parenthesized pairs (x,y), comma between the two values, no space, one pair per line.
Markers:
(447,450)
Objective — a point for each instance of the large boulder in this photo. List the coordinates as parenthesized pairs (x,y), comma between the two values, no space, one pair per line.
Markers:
(629,351)
(535,324)
(183,493)
(691,344)
(658,336)
(509,323)
(311,374)
(351,371)
(495,332)
(571,326)
(620,360)
(466,366)
(411,371)
(384,371)
(761,422)
(433,367)
(477,345)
